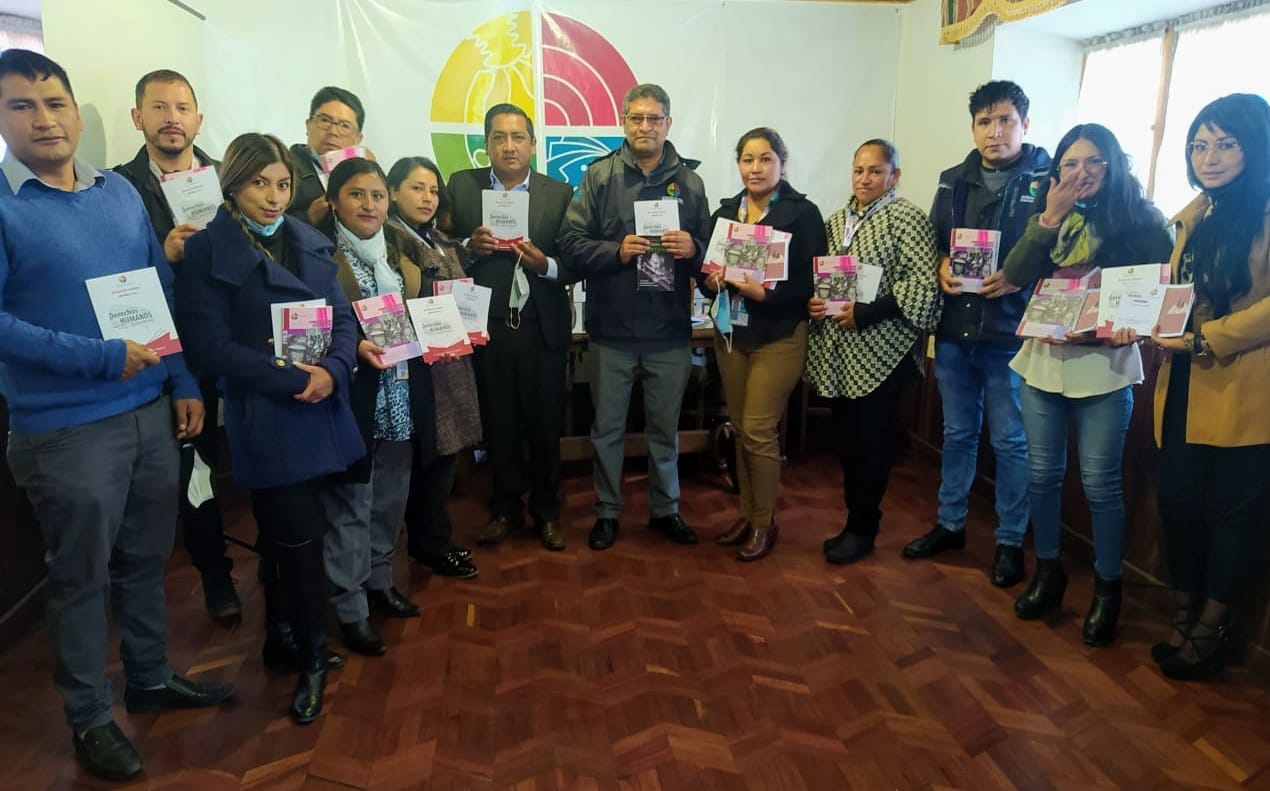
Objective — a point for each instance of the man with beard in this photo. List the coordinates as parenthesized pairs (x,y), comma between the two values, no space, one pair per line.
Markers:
(167,116)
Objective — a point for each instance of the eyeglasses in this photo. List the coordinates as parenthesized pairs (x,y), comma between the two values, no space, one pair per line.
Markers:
(1199,148)
(1091,164)
(324,122)
(640,120)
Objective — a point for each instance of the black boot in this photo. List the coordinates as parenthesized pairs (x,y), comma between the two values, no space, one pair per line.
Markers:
(310,689)
(1046,591)
(1104,612)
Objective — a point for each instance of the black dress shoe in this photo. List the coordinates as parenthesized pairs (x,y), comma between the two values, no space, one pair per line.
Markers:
(674,528)
(219,596)
(1007,566)
(551,533)
(105,752)
(361,637)
(499,527)
(449,564)
(283,656)
(461,552)
(177,693)
(1046,591)
(937,539)
(602,534)
(851,548)
(392,603)
(832,541)
(310,690)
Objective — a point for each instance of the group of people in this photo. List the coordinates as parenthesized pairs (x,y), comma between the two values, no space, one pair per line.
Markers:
(107,438)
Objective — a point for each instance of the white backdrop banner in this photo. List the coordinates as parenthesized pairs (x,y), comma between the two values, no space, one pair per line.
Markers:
(822,74)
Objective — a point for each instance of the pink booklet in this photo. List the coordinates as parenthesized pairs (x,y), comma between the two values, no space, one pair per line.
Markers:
(306,333)
(972,256)
(386,324)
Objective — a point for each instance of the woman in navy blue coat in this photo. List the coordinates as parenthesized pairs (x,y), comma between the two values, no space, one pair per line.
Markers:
(289,424)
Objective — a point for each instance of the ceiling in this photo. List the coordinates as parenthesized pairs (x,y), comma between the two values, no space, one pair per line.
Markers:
(1088,18)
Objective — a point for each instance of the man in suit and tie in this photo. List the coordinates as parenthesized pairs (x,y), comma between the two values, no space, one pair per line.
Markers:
(521,372)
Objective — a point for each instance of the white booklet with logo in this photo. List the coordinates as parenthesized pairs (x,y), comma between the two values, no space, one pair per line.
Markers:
(131,306)
(439,327)
(506,214)
(193,196)
(473,304)
(654,217)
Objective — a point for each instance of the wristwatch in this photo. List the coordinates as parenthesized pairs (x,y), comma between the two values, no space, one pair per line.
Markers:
(1198,347)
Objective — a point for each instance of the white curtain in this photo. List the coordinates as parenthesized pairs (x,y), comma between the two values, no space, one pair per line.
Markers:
(21,33)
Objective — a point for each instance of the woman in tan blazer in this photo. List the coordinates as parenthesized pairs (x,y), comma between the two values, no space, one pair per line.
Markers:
(1212,398)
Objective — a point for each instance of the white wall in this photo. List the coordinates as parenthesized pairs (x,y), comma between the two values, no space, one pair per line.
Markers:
(932,124)
(1048,69)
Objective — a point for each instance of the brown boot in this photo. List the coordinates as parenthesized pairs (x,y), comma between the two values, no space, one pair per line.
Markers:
(738,533)
(761,542)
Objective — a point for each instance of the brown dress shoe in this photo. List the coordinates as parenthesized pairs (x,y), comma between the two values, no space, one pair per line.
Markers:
(552,535)
(738,533)
(498,528)
(761,542)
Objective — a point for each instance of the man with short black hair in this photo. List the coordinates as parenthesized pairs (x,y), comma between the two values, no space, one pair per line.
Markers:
(335,121)
(522,369)
(91,439)
(994,188)
(636,326)
(167,116)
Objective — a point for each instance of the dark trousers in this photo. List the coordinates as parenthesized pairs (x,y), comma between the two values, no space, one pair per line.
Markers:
(863,434)
(105,497)
(522,407)
(1214,504)
(428,526)
(201,528)
(291,525)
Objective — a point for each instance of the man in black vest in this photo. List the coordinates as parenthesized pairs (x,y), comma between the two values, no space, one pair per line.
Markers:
(335,121)
(167,116)
(521,372)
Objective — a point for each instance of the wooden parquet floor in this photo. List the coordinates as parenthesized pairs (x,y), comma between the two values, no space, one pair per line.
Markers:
(655,666)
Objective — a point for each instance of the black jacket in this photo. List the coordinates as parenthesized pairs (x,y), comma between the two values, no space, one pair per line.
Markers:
(549,305)
(138,173)
(600,215)
(308,187)
(785,305)
(970,317)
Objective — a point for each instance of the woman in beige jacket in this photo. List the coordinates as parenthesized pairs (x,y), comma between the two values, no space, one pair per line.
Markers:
(1212,398)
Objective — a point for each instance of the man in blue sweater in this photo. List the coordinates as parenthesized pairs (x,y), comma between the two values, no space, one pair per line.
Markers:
(92,437)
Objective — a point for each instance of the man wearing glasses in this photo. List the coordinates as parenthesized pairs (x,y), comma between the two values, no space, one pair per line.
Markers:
(637,324)
(335,121)
(522,369)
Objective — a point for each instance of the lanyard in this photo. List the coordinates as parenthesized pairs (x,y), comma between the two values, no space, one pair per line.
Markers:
(743,213)
(854,221)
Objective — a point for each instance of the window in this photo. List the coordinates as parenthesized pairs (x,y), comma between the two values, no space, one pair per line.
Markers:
(21,33)
(1121,90)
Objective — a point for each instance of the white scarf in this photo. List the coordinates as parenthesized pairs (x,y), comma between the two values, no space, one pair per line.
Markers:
(373,251)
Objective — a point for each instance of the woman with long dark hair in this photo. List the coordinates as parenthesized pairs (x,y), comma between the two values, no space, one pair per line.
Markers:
(761,360)
(1212,411)
(1094,214)
(288,424)
(392,403)
(416,199)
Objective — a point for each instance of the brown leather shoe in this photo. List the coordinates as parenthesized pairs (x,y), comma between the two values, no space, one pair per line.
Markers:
(761,542)
(498,528)
(738,533)
(551,532)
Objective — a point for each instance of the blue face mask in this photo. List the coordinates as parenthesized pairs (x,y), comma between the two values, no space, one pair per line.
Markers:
(721,314)
(265,230)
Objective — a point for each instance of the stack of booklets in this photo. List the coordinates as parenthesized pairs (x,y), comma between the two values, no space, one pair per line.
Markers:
(440,327)
(844,279)
(1101,301)
(759,252)
(387,325)
(306,333)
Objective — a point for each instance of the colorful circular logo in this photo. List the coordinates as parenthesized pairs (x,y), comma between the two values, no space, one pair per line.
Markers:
(570,81)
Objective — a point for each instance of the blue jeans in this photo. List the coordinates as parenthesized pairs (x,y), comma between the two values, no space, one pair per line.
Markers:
(967,374)
(1101,424)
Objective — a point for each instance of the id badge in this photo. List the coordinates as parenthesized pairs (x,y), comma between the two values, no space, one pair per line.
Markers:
(403,371)
(740,316)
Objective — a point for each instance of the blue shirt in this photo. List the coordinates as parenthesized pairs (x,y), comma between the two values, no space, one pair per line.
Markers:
(55,369)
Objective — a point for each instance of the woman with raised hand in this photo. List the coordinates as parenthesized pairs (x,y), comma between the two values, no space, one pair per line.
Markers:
(289,424)
(416,199)
(761,360)
(1094,214)
(861,358)
(1212,408)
